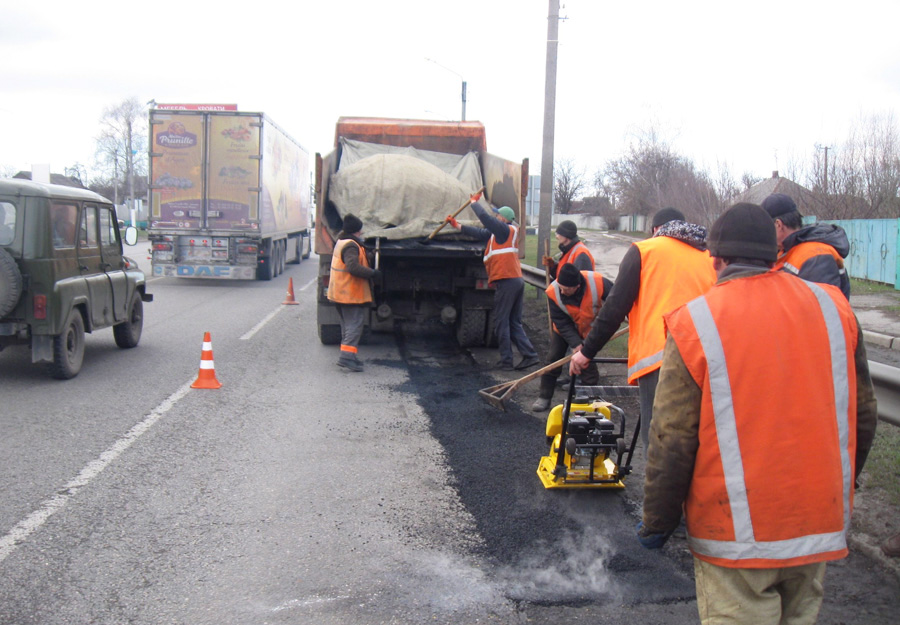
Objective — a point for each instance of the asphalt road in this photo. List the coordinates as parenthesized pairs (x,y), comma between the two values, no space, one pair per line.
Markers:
(298,493)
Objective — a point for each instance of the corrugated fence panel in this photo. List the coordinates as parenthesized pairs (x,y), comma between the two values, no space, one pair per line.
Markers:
(873,249)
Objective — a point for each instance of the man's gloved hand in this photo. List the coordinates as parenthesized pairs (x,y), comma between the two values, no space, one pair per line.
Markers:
(452,221)
(376,275)
(475,197)
(648,540)
(547,261)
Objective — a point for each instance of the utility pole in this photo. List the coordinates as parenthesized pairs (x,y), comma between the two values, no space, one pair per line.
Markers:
(463,118)
(546,207)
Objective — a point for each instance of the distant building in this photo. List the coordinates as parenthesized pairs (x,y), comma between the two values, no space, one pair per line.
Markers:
(54,179)
(777,184)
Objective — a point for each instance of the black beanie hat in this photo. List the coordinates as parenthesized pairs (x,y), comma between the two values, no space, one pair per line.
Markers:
(778,204)
(567,229)
(352,224)
(568,275)
(744,231)
(665,215)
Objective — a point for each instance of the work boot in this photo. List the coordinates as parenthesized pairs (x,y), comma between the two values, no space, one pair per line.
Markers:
(504,365)
(541,404)
(891,547)
(350,362)
(527,362)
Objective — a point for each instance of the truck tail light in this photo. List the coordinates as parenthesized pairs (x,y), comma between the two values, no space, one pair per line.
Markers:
(39,304)
(162,247)
(246,248)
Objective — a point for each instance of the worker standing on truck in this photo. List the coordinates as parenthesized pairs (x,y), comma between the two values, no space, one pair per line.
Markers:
(656,275)
(574,251)
(815,252)
(349,288)
(501,259)
(575,298)
(723,413)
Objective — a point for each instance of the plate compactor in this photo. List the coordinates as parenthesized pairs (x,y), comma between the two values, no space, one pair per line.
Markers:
(584,434)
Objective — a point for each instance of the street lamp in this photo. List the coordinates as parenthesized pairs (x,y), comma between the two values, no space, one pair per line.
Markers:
(463,85)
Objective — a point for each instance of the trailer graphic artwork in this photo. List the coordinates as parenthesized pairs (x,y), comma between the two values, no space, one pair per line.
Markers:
(233,172)
(177,168)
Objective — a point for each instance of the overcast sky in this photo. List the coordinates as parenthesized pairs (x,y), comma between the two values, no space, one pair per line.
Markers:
(749,84)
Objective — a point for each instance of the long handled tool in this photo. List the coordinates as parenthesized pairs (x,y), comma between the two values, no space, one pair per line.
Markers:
(498,394)
(473,198)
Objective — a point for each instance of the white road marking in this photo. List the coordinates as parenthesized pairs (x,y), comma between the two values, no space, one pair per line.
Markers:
(259,325)
(54,504)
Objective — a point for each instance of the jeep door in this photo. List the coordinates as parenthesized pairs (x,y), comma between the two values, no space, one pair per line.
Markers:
(93,268)
(111,251)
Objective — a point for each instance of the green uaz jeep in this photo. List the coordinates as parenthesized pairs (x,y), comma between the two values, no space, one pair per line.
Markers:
(62,273)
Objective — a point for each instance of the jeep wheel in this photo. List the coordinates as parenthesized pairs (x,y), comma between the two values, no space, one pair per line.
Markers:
(128,333)
(68,348)
(10,283)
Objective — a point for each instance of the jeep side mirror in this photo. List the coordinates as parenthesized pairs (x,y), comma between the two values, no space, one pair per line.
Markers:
(131,235)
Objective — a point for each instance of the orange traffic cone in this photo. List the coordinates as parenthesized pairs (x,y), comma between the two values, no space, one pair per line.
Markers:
(290,294)
(207,376)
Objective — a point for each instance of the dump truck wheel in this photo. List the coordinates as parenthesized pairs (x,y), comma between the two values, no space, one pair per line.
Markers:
(298,250)
(470,331)
(68,348)
(330,334)
(128,333)
(10,283)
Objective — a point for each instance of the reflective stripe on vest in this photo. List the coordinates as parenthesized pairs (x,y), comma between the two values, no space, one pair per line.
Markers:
(745,546)
(672,274)
(794,259)
(595,288)
(569,257)
(502,259)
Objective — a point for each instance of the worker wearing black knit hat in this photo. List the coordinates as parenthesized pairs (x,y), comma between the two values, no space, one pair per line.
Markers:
(350,289)
(656,275)
(573,301)
(727,355)
(573,250)
(815,252)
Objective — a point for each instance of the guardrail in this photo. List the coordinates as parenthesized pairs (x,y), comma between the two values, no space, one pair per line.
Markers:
(885,377)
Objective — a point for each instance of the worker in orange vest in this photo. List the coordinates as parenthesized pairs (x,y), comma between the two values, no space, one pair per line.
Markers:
(762,367)
(575,298)
(815,252)
(501,259)
(573,250)
(656,275)
(349,288)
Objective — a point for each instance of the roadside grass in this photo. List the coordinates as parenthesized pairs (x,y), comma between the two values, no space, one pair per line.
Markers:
(883,463)
(867,287)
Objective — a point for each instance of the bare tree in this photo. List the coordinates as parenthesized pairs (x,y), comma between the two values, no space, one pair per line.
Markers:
(568,184)
(122,146)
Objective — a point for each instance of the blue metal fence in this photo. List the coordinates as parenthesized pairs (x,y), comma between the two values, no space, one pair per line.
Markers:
(873,249)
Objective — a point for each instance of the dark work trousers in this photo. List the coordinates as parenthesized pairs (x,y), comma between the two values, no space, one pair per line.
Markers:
(558,347)
(647,389)
(353,319)
(508,303)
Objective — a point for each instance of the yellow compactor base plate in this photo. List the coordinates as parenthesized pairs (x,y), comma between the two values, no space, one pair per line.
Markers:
(578,478)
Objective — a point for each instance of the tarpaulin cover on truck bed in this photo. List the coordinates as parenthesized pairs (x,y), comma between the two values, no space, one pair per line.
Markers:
(402,193)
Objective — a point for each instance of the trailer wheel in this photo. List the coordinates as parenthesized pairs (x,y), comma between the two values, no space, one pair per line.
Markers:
(68,348)
(128,333)
(306,245)
(10,283)
(330,334)
(298,247)
(282,256)
(470,331)
(264,269)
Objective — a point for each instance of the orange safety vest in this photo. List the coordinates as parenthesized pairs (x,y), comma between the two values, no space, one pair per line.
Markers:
(672,273)
(343,287)
(502,259)
(569,257)
(772,485)
(794,258)
(591,300)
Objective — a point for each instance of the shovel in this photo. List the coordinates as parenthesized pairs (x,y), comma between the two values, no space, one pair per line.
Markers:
(496,395)
(474,198)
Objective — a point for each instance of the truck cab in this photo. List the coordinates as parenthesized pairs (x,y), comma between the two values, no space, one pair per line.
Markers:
(63,273)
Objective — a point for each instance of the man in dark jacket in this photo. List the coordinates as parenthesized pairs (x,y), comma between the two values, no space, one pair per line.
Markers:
(573,250)
(815,253)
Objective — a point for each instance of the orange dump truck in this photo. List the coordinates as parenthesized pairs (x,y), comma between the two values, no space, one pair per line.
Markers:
(402,177)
